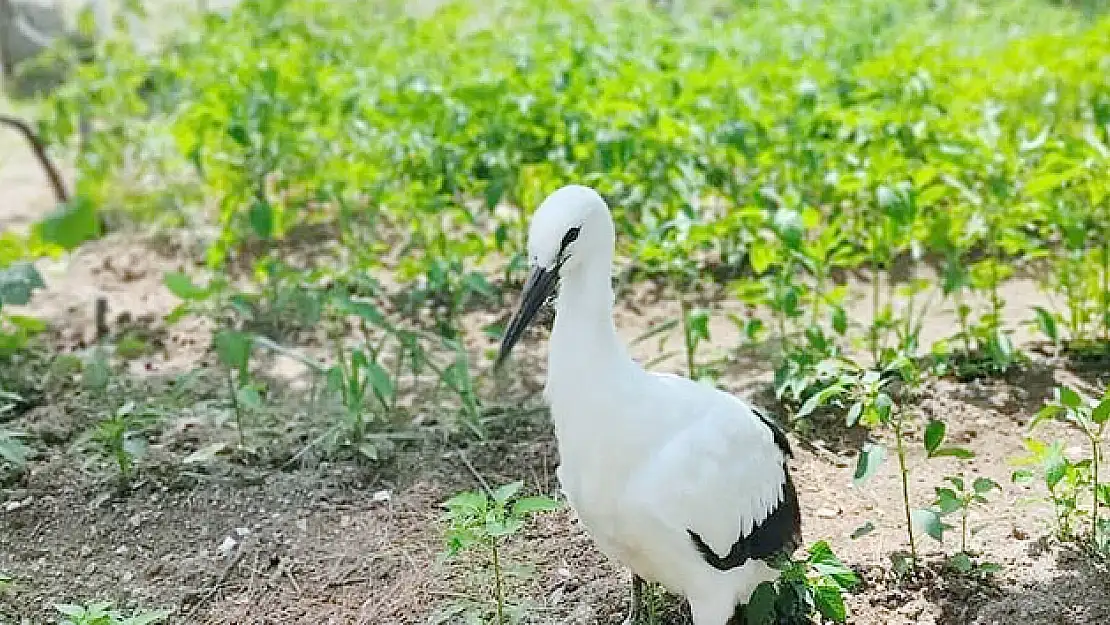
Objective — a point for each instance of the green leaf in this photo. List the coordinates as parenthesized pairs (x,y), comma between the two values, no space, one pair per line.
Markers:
(1101,413)
(953,452)
(472,501)
(1048,411)
(697,322)
(1046,321)
(504,527)
(70,225)
(234,350)
(870,458)
(830,602)
(1069,398)
(530,505)
(17,282)
(761,606)
(760,255)
(12,450)
(934,435)
(928,521)
(839,320)
(985,485)
(261,217)
(97,372)
(380,381)
(820,398)
(248,396)
(1055,467)
(948,501)
(180,285)
(961,562)
(503,493)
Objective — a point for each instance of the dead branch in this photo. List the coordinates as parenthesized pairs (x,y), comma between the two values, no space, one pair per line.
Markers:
(39,148)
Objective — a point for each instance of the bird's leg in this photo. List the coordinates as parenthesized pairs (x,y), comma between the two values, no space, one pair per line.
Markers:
(636,613)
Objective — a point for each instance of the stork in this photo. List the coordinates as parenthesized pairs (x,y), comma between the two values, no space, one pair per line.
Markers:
(684,484)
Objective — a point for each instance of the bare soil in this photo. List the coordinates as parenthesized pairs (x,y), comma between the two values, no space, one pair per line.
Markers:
(236,540)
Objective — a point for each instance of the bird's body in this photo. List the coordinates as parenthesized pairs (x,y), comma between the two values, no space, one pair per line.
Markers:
(682,483)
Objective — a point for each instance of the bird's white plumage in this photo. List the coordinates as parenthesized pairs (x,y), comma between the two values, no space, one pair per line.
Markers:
(646,457)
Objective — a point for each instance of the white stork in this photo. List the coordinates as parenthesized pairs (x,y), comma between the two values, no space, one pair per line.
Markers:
(682,483)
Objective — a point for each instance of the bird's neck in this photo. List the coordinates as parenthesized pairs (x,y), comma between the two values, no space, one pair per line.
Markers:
(584,340)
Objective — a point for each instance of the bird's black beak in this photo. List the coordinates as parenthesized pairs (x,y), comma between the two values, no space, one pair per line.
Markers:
(540,285)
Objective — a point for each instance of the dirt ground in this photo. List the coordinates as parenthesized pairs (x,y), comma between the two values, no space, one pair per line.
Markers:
(229,542)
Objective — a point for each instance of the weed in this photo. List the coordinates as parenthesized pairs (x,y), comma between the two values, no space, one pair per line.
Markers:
(120,438)
(101,613)
(1070,482)
(958,498)
(234,350)
(483,520)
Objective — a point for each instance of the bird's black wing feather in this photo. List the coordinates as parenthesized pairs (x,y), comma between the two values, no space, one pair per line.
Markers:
(779,533)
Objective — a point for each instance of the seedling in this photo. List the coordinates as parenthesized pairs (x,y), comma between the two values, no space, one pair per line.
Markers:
(480,520)
(364,386)
(1066,479)
(120,439)
(958,498)
(234,351)
(101,613)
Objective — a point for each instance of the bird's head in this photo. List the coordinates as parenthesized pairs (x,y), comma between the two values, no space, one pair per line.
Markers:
(571,230)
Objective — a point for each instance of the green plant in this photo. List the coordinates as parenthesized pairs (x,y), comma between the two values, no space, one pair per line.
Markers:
(101,613)
(1070,482)
(13,451)
(119,437)
(358,379)
(18,281)
(874,405)
(814,585)
(234,351)
(958,498)
(480,520)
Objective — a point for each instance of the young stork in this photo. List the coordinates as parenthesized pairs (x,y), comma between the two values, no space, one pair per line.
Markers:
(683,484)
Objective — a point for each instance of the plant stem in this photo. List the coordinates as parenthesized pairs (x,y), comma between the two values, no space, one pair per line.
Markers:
(687,337)
(235,406)
(1096,454)
(1106,279)
(963,533)
(875,283)
(905,486)
(498,590)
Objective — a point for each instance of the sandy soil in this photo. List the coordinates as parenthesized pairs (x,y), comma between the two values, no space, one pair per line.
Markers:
(233,542)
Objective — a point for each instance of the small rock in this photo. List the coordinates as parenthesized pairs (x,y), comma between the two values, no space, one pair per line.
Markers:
(1020,534)
(227,545)
(827,513)
(91,568)
(12,506)
(86,551)
(382,496)
(242,531)
(121,550)
(127,577)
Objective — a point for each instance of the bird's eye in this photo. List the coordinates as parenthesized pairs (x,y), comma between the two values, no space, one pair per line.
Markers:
(570,237)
